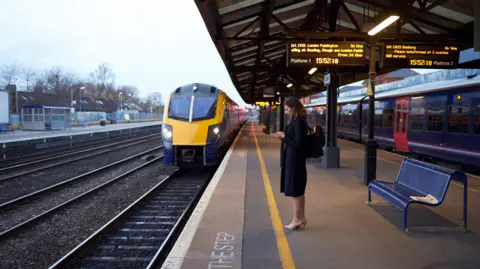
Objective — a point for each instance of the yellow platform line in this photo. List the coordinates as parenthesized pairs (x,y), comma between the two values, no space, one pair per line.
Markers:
(282,242)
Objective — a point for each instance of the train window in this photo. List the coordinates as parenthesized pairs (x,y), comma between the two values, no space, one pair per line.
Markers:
(204,107)
(398,118)
(179,108)
(322,116)
(476,128)
(458,117)
(313,117)
(387,118)
(435,118)
(365,117)
(225,120)
(404,121)
(355,119)
(417,114)
(417,117)
(343,117)
(378,117)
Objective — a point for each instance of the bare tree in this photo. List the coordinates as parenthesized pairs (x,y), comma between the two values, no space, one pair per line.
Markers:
(29,77)
(60,83)
(57,81)
(52,79)
(153,102)
(9,72)
(104,76)
(129,90)
(110,91)
(155,98)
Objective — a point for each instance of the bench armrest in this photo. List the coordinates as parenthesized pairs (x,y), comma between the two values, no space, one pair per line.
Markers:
(381,181)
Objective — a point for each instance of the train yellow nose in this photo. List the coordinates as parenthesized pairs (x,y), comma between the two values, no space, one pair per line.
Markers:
(190,134)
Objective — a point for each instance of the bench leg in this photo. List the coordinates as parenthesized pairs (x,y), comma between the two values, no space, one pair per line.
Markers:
(369,195)
(465,202)
(405,219)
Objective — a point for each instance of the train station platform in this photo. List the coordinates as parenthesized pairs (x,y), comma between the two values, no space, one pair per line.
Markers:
(238,222)
(20,135)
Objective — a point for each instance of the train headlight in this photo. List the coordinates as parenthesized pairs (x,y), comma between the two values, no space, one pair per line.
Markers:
(167,132)
(213,132)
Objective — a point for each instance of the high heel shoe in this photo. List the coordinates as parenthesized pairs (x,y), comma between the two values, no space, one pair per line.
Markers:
(296,226)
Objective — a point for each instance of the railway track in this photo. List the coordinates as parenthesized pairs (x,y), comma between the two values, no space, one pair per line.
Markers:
(25,224)
(11,172)
(75,179)
(141,235)
(48,154)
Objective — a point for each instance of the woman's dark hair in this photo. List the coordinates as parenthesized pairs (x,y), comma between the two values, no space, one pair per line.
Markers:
(297,107)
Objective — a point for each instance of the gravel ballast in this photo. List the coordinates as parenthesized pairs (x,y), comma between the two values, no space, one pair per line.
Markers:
(49,200)
(26,184)
(42,153)
(73,157)
(55,235)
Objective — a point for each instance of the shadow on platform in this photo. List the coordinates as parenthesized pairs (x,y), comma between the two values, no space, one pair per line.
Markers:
(423,222)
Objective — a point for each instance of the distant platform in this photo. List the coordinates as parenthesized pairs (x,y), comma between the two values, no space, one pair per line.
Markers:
(20,135)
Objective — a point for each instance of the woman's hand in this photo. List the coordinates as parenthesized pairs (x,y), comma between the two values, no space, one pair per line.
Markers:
(280,135)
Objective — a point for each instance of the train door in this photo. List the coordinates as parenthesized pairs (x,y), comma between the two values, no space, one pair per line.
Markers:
(401,124)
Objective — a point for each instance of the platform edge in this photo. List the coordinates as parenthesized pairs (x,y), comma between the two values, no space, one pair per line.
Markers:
(177,255)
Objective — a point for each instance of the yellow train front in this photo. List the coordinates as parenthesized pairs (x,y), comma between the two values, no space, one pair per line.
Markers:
(200,121)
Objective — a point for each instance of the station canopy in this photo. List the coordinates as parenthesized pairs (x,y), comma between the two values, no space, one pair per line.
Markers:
(253,36)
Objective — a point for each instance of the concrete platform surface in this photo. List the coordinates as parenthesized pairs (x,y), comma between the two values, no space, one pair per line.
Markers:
(239,220)
(31,135)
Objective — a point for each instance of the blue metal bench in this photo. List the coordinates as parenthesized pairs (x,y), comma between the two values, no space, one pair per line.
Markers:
(417,178)
(5,129)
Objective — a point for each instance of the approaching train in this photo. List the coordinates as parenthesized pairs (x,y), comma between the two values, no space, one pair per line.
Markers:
(437,120)
(200,121)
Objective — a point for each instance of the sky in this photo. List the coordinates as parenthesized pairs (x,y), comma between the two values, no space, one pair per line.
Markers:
(156,45)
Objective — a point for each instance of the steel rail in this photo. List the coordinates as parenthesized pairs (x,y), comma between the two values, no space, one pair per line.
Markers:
(20,165)
(23,198)
(153,260)
(76,159)
(30,221)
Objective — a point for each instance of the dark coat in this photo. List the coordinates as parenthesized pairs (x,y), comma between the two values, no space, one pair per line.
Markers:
(293,158)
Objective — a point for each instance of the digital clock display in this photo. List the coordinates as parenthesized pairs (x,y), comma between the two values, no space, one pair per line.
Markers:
(328,54)
(420,55)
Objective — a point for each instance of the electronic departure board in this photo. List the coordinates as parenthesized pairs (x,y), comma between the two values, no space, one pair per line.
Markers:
(420,56)
(326,53)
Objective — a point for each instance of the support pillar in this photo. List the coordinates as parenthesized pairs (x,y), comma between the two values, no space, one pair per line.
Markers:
(273,117)
(298,87)
(476,27)
(268,118)
(331,152)
(260,115)
(371,145)
(282,114)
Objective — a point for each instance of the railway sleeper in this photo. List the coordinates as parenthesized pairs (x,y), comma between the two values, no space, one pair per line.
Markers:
(108,262)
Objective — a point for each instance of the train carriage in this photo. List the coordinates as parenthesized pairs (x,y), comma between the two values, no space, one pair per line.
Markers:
(437,120)
(200,122)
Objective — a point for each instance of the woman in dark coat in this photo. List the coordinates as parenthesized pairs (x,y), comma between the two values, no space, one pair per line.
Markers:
(293,160)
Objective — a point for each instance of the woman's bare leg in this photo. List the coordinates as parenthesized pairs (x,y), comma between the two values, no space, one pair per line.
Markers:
(302,210)
(297,207)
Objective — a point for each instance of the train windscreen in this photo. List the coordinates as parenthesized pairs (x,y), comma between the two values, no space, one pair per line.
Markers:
(204,107)
(179,108)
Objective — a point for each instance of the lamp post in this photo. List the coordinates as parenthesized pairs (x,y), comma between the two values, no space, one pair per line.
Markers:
(71,96)
(120,97)
(16,96)
(81,91)
(71,102)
